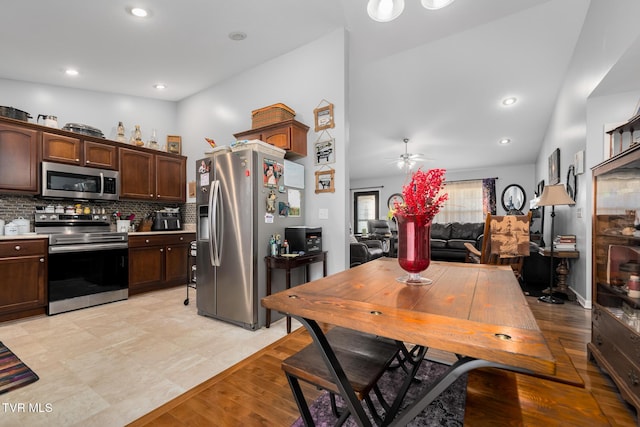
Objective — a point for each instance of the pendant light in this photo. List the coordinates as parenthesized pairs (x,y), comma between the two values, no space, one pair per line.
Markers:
(385,10)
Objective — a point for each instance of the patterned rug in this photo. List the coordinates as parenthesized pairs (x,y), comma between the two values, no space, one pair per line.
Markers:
(13,373)
(446,410)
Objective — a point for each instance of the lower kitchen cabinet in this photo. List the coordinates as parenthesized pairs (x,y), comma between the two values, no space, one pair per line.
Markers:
(23,273)
(158,261)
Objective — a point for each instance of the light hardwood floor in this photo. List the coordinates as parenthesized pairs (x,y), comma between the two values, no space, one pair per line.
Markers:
(255,392)
(108,365)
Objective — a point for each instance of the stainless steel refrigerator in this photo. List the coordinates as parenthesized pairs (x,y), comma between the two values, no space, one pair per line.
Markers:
(233,230)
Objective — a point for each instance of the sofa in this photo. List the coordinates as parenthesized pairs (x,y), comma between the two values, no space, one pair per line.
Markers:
(447,240)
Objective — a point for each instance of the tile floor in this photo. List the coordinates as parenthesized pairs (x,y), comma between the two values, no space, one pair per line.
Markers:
(108,365)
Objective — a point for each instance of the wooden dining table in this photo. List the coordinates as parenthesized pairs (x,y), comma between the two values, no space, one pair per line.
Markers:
(477,312)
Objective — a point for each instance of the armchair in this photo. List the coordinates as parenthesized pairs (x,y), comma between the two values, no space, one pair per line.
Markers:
(365,251)
(379,229)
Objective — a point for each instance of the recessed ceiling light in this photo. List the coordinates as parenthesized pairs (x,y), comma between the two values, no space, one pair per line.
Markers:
(435,4)
(505,141)
(71,72)
(509,101)
(139,12)
(237,36)
(160,86)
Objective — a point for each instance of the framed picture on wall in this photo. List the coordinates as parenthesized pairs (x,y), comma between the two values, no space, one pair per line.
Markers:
(554,167)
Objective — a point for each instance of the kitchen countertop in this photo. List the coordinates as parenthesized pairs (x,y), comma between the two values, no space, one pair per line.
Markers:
(151,233)
(24,236)
(133,233)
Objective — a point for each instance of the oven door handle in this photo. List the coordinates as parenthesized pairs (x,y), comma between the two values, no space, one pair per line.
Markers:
(86,247)
(101,184)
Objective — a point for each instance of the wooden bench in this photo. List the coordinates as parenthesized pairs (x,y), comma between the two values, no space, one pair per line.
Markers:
(363,357)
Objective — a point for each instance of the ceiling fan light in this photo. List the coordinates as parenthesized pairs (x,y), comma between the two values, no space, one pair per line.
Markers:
(385,10)
(435,4)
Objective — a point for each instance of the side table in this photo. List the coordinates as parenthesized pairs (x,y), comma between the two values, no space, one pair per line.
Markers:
(562,271)
(287,263)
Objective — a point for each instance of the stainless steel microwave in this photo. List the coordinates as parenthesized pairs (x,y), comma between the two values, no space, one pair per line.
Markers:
(77,182)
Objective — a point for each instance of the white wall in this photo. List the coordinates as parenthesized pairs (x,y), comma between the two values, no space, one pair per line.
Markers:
(609,29)
(300,79)
(97,109)
(523,175)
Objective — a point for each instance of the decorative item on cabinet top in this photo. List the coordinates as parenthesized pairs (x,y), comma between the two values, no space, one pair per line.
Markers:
(271,114)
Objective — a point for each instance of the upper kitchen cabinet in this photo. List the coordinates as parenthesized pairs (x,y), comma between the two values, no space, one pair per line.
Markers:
(148,176)
(171,178)
(19,148)
(290,135)
(67,149)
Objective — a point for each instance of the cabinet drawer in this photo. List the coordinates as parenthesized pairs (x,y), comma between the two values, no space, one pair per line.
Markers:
(160,240)
(624,368)
(17,248)
(616,333)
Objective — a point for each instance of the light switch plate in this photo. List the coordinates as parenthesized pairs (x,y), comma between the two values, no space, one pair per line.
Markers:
(323,213)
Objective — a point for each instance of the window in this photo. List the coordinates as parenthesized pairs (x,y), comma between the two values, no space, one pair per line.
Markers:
(465,202)
(365,207)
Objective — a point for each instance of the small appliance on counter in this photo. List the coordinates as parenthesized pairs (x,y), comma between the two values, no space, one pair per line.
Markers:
(304,239)
(166,219)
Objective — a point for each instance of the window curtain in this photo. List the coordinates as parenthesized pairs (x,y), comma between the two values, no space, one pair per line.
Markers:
(469,201)
(489,196)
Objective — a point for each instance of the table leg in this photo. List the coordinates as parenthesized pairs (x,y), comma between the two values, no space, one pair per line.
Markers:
(268,320)
(288,286)
(563,274)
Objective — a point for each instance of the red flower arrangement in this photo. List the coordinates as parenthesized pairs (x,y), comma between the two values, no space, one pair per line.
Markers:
(423,194)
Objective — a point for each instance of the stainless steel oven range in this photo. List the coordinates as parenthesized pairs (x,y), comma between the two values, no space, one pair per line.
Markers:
(88,263)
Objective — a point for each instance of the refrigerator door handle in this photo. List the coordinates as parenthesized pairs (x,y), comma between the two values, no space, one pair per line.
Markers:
(215,224)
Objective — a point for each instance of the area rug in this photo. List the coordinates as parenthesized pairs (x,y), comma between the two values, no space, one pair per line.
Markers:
(446,410)
(13,373)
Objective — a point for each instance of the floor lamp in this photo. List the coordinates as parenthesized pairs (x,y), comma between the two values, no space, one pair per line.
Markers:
(553,195)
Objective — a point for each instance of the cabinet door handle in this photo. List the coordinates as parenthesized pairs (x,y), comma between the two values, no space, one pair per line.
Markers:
(169,249)
(161,250)
(150,195)
(17,248)
(77,160)
(41,259)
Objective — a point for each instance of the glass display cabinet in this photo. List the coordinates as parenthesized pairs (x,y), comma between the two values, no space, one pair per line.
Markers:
(615,319)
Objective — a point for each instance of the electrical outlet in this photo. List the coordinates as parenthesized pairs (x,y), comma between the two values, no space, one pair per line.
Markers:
(579,212)
(323,213)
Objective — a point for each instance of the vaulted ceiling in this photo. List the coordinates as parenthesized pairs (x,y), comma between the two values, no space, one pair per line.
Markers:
(435,77)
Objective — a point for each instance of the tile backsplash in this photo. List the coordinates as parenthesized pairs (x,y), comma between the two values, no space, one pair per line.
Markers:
(13,207)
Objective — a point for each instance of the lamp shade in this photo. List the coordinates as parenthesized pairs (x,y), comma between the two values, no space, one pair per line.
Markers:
(554,195)
(435,4)
(385,10)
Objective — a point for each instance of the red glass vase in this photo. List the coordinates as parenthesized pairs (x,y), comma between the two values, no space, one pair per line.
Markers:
(414,247)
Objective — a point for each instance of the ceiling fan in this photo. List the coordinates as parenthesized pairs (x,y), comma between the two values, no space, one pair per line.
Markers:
(408,160)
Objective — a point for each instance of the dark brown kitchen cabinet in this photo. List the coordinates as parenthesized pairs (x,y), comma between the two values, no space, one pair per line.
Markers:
(158,261)
(23,269)
(77,151)
(19,153)
(171,178)
(137,173)
(102,156)
(148,176)
(290,135)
